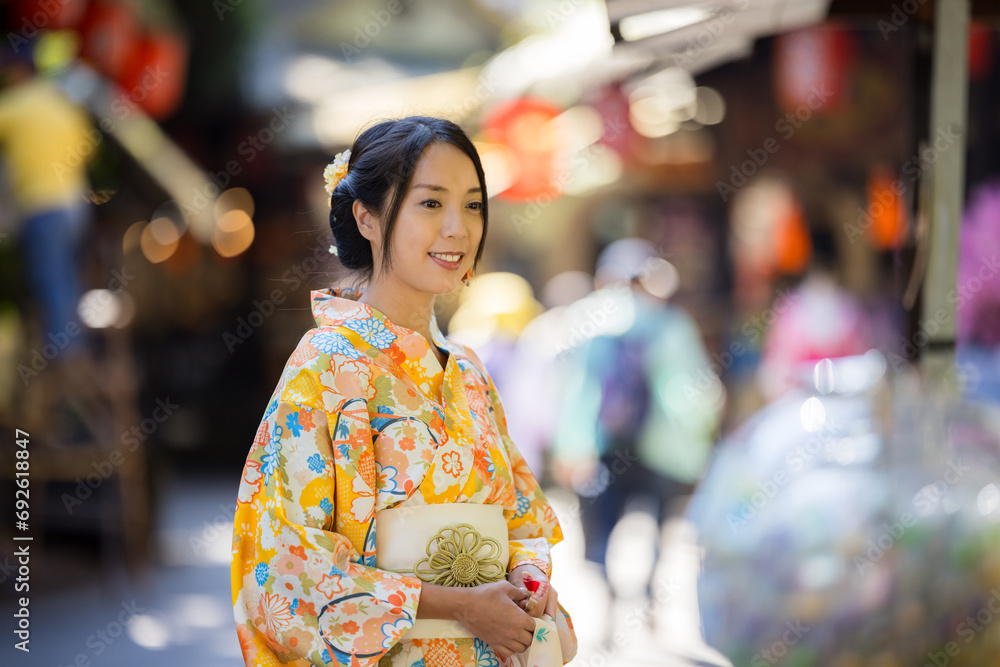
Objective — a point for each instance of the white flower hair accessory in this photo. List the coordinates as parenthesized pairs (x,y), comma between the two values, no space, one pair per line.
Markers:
(336,170)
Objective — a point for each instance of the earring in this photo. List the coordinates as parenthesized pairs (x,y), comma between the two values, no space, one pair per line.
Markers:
(467,277)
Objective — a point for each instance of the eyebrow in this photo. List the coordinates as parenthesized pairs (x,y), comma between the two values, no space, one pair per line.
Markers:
(441,188)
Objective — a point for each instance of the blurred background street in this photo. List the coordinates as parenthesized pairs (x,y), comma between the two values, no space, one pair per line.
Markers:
(738,296)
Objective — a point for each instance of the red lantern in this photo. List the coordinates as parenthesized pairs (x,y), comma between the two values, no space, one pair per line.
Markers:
(525,127)
(812,69)
(156,73)
(793,248)
(109,34)
(29,16)
(886,220)
(981,51)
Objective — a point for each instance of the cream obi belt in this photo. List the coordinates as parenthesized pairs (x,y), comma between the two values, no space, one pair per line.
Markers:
(453,544)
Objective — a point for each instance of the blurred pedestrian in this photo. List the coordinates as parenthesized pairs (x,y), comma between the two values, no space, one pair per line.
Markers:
(818,319)
(45,139)
(641,407)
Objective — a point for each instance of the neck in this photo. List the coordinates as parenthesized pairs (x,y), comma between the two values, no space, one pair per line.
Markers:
(405,308)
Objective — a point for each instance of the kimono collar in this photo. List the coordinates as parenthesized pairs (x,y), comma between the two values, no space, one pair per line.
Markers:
(338,305)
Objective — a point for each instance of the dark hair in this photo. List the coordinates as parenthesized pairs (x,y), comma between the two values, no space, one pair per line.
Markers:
(379,171)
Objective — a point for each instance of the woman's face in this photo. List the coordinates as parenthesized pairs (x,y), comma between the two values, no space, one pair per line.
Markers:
(440,223)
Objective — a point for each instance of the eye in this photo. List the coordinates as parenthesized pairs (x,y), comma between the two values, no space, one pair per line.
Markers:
(426,202)
(476,205)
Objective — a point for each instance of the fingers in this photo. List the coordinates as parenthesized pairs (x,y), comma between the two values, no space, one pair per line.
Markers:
(516,593)
(537,603)
(552,603)
(501,652)
(519,644)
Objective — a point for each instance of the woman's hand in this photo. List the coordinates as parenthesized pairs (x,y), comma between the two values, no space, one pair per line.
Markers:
(491,612)
(545,600)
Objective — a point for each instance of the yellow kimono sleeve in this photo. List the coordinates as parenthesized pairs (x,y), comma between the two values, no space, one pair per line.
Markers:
(302,591)
(532,526)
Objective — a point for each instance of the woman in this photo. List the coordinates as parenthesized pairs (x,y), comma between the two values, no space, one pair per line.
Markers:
(367,523)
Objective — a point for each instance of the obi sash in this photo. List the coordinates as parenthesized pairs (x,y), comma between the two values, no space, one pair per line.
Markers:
(454,544)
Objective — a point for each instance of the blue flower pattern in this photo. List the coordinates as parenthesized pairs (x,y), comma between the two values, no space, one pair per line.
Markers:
(372,331)
(490,469)
(329,342)
(485,657)
(260,573)
(316,463)
(392,631)
(269,461)
(292,424)
(386,476)
(523,504)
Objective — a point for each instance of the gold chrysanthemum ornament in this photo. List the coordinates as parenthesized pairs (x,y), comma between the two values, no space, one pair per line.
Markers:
(460,556)
(336,170)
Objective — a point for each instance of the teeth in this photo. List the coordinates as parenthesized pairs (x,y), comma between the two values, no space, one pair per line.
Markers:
(447,258)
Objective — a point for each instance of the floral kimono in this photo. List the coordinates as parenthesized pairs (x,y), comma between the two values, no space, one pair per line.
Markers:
(365,419)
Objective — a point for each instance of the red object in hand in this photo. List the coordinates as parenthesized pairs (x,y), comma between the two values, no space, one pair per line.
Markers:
(531,584)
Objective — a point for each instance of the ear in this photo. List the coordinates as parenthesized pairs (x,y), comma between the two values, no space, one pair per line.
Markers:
(367,223)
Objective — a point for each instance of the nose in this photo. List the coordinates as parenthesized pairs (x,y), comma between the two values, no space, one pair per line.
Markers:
(453,226)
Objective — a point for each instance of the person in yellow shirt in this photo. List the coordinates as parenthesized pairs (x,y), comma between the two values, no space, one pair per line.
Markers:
(46,140)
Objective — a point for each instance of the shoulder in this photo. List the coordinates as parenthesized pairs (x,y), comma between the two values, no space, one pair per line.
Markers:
(324,366)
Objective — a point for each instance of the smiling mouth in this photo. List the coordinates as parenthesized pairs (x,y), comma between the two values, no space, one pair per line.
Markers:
(447,256)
